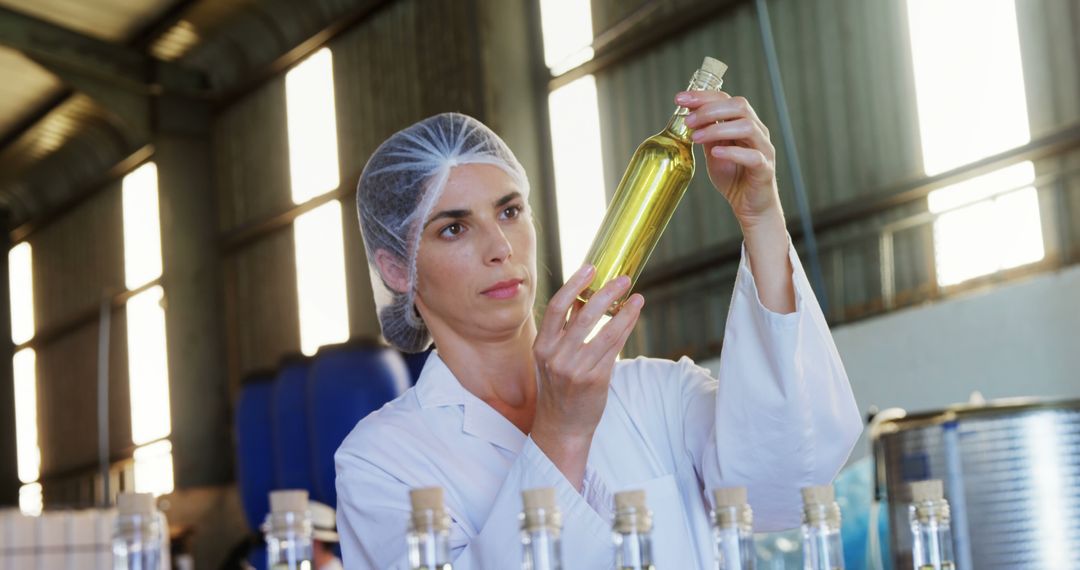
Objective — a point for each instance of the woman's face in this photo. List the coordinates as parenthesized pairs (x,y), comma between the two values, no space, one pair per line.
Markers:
(476,266)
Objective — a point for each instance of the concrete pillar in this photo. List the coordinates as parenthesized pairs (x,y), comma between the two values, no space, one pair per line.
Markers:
(202,446)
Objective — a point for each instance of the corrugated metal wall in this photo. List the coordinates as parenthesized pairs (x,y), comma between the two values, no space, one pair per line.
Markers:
(76,260)
(847,75)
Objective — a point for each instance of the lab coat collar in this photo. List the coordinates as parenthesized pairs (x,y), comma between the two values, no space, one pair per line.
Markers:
(438,387)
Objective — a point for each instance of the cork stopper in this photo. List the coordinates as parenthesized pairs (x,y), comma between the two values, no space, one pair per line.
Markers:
(428,508)
(730,496)
(714,66)
(135,504)
(289,501)
(631,512)
(929,490)
(541,498)
(820,495)
(541,510)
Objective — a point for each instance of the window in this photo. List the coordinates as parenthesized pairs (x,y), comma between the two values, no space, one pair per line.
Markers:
(148,367)
(568,33)
(30,499)
(26,426)
(313,160)
(955,64)
(320,277)
(142,227)
(309,102)
(154,468)
(21,280)
(148,363)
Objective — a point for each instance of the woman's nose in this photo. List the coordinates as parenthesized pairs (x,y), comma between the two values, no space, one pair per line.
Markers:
(499,248)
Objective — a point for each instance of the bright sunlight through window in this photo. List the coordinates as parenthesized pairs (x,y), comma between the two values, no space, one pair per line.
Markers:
(142,227)
(21,281)
(148,369)
(320,277)
(579,174)
(956,64)
(568,33)
(26,425)
(30,502)
(313,152)
(154,468)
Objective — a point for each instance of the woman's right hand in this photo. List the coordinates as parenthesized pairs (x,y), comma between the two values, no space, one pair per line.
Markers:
(575,374)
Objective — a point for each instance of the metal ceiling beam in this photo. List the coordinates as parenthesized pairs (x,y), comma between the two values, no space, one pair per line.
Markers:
(66,52)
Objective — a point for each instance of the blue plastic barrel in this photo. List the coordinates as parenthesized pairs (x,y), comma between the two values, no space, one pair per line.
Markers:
(347,382)
(254,447)
(292,443)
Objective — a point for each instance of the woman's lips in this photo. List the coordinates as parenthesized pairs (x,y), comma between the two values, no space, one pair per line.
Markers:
(503,289)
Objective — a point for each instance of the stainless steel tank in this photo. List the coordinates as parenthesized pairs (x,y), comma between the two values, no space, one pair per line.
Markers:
(1012,478)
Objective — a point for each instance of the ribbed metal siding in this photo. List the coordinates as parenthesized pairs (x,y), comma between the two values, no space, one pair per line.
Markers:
(264,302)
(67,398)
(251,149)
(77,258)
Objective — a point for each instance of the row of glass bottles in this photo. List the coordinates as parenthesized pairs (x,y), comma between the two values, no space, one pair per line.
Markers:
(139,530)
(732,521)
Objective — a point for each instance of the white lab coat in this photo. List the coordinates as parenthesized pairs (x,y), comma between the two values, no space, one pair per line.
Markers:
(781,417)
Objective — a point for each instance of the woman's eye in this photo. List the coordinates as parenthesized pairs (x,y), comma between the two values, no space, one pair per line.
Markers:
(453,230)
(512,212)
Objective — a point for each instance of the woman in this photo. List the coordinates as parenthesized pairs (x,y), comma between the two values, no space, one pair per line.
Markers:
(505,404)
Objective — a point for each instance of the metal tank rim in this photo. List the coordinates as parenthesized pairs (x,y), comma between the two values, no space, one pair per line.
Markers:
(1004,406)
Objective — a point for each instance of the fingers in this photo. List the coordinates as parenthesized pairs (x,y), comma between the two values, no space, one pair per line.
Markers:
(752,159)
(738,130)
(610,340)
(561,302)
(584,320)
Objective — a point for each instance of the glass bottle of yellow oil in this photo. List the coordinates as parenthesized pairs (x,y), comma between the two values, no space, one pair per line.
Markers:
(651,187)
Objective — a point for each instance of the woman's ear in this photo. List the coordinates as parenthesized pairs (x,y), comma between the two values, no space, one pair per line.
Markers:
(393,270)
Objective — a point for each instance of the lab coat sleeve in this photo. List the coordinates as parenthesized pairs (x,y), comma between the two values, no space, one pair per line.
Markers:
(373,510)
(781,415)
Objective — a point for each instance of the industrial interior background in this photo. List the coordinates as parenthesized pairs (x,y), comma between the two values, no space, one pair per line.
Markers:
(93,89)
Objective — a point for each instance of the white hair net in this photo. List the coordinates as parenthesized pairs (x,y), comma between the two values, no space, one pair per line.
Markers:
(399,186)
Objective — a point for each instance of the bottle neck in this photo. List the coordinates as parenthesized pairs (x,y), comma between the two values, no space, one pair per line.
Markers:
(701,81)
(541,549)
(633,551)
(288,540)
(429,545)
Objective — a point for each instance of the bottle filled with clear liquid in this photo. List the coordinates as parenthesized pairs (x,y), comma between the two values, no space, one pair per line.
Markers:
(288,531)
(822,546)
(633,532)
(429,530)
(733,529)
(541,524)
(931,536)
(138,533)
(654,182)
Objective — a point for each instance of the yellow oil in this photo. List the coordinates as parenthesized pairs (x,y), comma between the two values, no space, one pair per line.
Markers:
(651,187)
(644,202)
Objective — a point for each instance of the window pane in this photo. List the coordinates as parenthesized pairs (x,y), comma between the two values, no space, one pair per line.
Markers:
(30,502)
(313,152)
(154,468)
(142,227)
(26,426)
(320,277)
(21,281)
(579,173)
(568,33)
(148,369)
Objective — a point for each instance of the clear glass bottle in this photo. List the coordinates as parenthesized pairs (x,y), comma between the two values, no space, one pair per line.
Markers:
(429,530)
(930,532)
(652,186)
(633,532)
(733,529)
(822,547)
(288,531)
(541,523)
(138,533)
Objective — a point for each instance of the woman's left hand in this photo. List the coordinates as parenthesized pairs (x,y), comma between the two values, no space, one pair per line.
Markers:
(741,159)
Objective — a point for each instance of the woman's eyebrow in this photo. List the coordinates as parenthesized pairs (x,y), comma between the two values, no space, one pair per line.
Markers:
(507,199)
(455,214)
